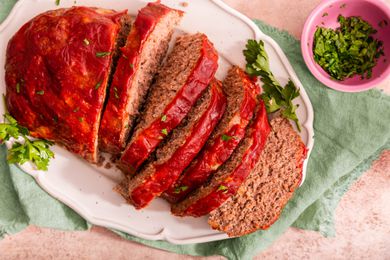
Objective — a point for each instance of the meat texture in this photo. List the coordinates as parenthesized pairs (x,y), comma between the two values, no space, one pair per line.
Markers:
(262,197)
(57,69)
(140,58)
(179,150)
(229,177)
(185,75)
(241,102)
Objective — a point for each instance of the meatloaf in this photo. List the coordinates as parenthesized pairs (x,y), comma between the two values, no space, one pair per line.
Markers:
(262,197)
(229,177)
(57,68)
(184,76)
(180,148)
(241,95)
(146,46)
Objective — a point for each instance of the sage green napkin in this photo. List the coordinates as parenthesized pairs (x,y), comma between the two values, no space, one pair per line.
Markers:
(351,130)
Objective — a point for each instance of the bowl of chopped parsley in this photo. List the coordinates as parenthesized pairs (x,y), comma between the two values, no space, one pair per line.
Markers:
(346,44)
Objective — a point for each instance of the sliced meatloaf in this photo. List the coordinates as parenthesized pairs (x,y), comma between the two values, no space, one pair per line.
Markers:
(241,95)
(179,149)
(184,76)
(229,177)
(57,69)
(262,197)
(145,49)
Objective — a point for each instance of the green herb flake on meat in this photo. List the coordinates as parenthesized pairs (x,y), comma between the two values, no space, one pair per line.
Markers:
(102,54)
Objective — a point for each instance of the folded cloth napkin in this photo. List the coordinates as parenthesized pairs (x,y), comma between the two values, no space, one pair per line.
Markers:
(351,130)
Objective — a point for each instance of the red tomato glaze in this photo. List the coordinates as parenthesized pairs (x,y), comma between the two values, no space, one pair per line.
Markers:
(140,149)
(57,68)
(219,150)
(167,173)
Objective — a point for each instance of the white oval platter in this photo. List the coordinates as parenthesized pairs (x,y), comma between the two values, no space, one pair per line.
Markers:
(88,189)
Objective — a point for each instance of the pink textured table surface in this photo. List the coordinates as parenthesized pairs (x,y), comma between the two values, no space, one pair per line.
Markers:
(362,217)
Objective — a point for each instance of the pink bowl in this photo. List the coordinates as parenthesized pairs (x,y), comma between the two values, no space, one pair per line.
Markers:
(325,15)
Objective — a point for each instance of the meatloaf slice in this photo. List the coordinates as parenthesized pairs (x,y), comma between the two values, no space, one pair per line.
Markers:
(229,177)
(146,46)
(241,102)
(262,197)
(186,73)
(57,68)
(180,148)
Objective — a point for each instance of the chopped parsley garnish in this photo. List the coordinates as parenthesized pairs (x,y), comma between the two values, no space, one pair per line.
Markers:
(97,86)
(180,189)
(275,96)
(116,93)
(223,188)
(131,65)
(164,118)
(40,92)
(81,119)
(226,137)
(57,2)
(36,151)
(164,131)
(18,87)
(348,50)
(102,54)
(86,42)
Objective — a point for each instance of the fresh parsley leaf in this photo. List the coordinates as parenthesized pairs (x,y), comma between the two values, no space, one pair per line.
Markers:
(164,118)
(57,2)
(275,97)
(37,151)
(7,131)
(40,92)
(102,54)
(18,87)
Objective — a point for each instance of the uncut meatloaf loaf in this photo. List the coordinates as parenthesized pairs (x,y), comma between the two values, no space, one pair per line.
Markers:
(57,68)
(146,46)
(180,148)
(229,177)
(241,95)
(181,80)
(262,197)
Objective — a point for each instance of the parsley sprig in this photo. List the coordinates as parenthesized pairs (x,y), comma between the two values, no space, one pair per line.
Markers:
(36,151)
(274,95)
